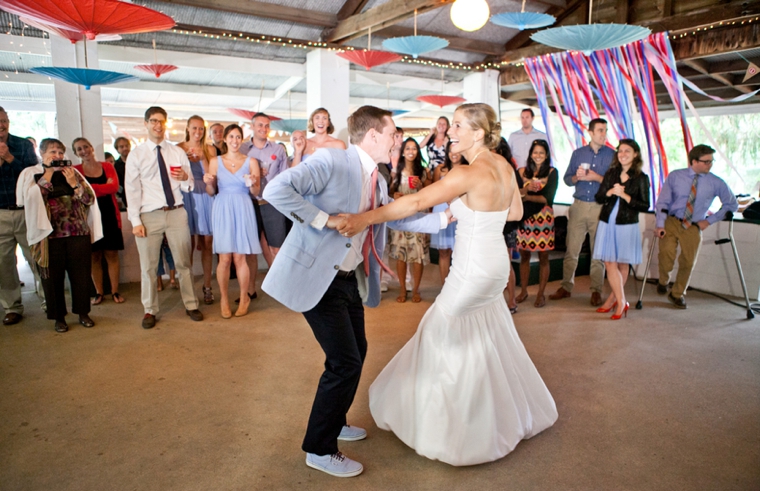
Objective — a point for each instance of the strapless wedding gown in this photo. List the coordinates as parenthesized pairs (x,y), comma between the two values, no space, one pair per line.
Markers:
(463,390)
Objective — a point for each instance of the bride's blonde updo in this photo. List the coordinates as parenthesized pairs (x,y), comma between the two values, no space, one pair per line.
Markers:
(482,117)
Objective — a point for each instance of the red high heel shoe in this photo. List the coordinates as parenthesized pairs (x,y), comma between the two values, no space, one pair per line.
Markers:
(602,310)
(624,313)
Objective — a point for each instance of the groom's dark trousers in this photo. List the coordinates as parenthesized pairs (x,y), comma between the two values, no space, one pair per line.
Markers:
(338,325)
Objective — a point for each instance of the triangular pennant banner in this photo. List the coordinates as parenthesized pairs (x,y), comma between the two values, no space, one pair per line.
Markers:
(752,70)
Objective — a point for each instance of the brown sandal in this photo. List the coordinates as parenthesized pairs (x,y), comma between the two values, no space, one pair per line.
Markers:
(401,297)
(540,301)
(416,298)
(521,297)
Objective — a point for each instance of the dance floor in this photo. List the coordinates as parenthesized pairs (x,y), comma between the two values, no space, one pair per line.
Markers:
(662,400)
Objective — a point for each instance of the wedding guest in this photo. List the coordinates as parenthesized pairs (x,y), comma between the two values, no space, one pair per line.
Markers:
(585,172)
(444,240)
(510,228)
(235,177)
(409,247)
(521,140)
(216,131)
(436,142)
(536,233)
(388,173)
(623,194)
(157,172)
(33,141)
(109,158)
(198,203)
(16,154)
(272,161)
(298,141)
(682,216)
(66,250)
(123,146)
(105,183)
(322,127)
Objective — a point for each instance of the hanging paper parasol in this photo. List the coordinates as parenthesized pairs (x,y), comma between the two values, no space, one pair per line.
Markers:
(91,17)
(84,76)
(72,36)
(369,57)
(523,20)
(441,100)
(415,45)
(591,37)
(248,115)
(399,112)
(289,125)
(157,69)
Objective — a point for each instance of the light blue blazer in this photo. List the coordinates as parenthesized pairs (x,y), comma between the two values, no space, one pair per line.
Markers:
(330,181)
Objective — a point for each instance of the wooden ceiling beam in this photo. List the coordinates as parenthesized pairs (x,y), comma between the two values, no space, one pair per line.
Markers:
(382,16)
(351,7)
(457,43)
(703,17)
(522,38)
(264,10)
(732,66)
(702,66)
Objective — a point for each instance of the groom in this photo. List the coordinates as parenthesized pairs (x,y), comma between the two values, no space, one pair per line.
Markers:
(327,277)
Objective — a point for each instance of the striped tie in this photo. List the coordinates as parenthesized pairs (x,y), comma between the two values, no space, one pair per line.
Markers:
(687,215)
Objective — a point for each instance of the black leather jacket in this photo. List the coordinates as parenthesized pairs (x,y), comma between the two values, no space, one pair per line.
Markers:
(637,187)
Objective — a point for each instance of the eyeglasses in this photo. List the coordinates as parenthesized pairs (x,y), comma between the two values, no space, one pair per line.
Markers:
(708,162)
(154,122)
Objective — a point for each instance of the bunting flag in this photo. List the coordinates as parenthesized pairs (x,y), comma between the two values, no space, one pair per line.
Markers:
(752,70)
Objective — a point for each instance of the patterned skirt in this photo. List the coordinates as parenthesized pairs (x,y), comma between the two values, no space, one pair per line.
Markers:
(537,232)
(410,247)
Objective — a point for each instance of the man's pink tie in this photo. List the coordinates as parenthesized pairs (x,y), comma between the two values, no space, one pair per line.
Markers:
(369,241)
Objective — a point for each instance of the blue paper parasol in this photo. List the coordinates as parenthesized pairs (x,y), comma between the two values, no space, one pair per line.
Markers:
(399,112)
(415,45)
(523,20)
(84,76)
(289,125)
(591,37)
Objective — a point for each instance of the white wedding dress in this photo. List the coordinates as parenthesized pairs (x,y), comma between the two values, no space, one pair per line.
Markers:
(463,390)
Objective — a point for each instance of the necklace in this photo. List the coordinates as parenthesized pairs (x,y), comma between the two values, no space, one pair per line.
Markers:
(478,155)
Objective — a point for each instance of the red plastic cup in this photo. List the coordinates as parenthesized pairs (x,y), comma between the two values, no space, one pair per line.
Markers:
(411,182)
(174,169)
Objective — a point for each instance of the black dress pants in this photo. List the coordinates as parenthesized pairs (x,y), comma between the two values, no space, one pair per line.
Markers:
(68,255)
(338,325)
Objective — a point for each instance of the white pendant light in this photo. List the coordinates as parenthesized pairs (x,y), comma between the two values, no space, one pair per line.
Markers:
(470,15)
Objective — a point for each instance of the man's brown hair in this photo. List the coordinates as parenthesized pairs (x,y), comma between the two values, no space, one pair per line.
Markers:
(365,118)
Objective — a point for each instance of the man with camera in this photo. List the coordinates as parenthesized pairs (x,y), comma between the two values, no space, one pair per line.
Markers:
(16,154)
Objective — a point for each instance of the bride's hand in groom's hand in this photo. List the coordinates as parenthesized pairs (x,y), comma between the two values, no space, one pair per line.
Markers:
(334,222)
(352,225)
(450,215)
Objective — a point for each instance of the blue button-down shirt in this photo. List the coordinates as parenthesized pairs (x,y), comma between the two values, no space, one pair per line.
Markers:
(599,162)
(675,193)
(23,157)
(272,158)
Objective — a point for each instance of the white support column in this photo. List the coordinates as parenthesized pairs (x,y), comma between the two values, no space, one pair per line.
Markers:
(327,78)
(78,111)
(483,87)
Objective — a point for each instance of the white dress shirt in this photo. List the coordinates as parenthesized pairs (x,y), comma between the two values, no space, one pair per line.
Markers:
(142,178)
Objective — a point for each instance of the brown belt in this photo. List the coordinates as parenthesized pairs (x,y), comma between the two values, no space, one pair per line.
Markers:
(170,208)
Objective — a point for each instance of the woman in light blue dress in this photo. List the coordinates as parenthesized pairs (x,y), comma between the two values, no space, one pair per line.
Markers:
(198,203)
(444,240)
(623,193)
(234,178)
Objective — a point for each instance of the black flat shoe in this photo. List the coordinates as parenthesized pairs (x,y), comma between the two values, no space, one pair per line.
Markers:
(252,297)
(61,326)
(85,320)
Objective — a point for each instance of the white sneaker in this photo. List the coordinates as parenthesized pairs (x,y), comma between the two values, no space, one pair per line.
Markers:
(337,464)
(352,434)
(383,287)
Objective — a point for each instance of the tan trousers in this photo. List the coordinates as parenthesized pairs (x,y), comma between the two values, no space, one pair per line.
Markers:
(174,224)
(13,232)
(690,240)
(583,217)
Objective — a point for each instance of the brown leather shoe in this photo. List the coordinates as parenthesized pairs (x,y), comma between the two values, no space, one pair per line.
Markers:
(11,318)
(596,299)
(678,302)
(559,294)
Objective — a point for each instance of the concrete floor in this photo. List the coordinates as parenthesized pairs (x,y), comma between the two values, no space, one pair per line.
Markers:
(662,400)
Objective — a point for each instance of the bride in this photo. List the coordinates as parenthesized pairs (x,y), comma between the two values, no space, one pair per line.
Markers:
(463,390)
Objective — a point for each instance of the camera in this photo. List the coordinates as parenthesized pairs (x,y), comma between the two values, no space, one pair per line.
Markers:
(60,163)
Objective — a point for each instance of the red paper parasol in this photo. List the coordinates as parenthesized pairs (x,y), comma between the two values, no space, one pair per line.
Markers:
(248,115)
(72,36)
(369,58)
(441,100)
(157,69)
(91,17)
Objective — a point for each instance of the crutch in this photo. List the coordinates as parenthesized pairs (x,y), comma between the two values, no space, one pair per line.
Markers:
(646,272)
(730,218)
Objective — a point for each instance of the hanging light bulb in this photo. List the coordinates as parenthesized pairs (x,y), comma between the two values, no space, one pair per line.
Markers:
(470,15)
